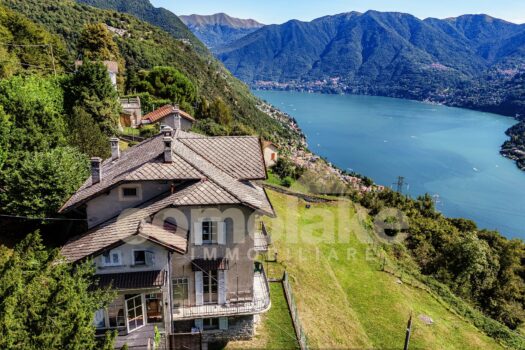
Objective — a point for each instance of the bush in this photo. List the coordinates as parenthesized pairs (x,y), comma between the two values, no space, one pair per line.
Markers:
(287,181)
(148,132)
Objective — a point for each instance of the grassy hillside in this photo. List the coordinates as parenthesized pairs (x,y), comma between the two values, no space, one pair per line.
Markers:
(144,46)
(344,299)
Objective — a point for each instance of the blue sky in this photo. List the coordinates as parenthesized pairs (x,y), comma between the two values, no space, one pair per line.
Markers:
(279,11)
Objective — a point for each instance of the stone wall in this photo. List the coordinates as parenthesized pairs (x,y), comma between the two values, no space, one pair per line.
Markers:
(239,328)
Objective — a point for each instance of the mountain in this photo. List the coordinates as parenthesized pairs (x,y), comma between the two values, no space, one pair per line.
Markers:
(219,29)
(145,11)
(371,48)
(472,61)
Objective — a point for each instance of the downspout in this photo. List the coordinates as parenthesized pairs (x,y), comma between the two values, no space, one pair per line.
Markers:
(170,330)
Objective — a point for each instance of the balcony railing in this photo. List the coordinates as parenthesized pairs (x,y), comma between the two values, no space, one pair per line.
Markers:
(244,305)
(262,239)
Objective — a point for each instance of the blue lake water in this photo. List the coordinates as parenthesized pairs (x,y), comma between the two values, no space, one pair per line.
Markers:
(449,152)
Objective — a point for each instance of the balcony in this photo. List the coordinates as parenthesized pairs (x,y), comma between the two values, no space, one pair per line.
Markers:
(239,304)
(261,239)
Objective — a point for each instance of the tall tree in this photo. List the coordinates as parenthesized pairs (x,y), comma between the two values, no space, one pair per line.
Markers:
(96,43)
(47,304)
(86,135)
(35,107)
(90,88)
(41,181)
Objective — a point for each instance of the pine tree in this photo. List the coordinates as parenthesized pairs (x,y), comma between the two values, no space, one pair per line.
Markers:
(46,303)
(86,135)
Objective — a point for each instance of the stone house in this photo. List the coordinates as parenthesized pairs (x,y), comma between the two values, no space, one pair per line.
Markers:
(131,114)
(271,153)
(170,115)
(171,227)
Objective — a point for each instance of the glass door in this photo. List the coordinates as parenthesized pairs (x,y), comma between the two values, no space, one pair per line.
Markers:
(210,284)
(135,312)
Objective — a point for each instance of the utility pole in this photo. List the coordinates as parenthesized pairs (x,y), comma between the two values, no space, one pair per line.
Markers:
(400,183)
(408,332)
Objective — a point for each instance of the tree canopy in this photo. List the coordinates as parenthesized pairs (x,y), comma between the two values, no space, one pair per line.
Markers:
(47,304)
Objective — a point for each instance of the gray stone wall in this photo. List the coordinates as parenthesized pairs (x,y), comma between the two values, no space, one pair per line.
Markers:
(239,328)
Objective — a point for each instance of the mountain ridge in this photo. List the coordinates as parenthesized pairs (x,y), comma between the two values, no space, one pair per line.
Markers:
(219,29)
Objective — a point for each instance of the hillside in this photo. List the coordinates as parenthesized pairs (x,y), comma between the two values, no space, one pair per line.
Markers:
(145,46)
(366,308)
(145,11)
(219,29)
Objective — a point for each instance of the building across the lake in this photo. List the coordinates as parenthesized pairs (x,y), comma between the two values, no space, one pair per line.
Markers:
(172,227)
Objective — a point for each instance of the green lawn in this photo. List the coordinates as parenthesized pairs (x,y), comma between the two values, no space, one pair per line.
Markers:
(344,300)
(275,330)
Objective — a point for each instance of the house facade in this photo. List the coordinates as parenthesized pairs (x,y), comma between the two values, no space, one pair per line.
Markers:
(131,114)
(271,153)
(172,226)
(172,116)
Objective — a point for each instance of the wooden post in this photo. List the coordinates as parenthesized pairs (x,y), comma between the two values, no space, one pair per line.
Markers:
(408,332)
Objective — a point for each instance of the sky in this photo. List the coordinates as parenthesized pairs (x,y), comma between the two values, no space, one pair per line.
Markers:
(280,11)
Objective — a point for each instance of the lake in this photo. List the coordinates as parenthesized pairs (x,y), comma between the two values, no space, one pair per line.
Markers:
(450,153)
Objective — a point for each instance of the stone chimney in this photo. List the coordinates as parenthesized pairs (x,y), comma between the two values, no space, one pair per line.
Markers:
(96,170)
(168,155)
(167,131)
(115,148)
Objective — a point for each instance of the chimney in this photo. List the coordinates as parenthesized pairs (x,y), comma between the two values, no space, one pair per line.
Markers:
(96,170)
(168,156)
(115,148)
(167,131)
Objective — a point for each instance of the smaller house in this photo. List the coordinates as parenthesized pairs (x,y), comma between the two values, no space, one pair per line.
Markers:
(172,116)
(131,114)
(112,67)
(270,152)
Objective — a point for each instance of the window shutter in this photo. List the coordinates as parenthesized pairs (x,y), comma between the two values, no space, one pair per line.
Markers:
(197,233)
(222,286)
(199,297)
(199,323)
(150,258)
(223,323)
(221,232)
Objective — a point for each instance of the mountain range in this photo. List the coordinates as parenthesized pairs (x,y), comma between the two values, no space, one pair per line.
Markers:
(219,29)
(375,48)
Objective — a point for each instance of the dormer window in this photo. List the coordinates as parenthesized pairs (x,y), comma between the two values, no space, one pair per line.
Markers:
(143,258)
(112,258)
(130,193)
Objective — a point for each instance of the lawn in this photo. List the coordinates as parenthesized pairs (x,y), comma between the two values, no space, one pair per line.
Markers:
(344,299)
(275,330)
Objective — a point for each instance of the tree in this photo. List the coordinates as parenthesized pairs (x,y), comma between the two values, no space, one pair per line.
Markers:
(91,89)
(42,181)
(168,83)
(86,135)
(96,43)
(221,112)
(5,128)
(34,105)
(47,304)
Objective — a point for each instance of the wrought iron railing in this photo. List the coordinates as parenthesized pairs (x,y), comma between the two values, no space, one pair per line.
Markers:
(260,302)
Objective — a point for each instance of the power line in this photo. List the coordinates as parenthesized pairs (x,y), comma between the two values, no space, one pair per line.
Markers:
(41,219)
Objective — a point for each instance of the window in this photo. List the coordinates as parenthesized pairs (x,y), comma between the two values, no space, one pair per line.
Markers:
(210,286)
(210,323)
(143,258)
(139,257)
(209,232)
(116,314)
(130,193)
(180,291)
(100,319)
(112,258)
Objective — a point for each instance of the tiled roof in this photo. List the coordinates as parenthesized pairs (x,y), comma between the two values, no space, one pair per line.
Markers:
(240,156)
(132,280)
(164,111)
(138,223)
(144,162)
